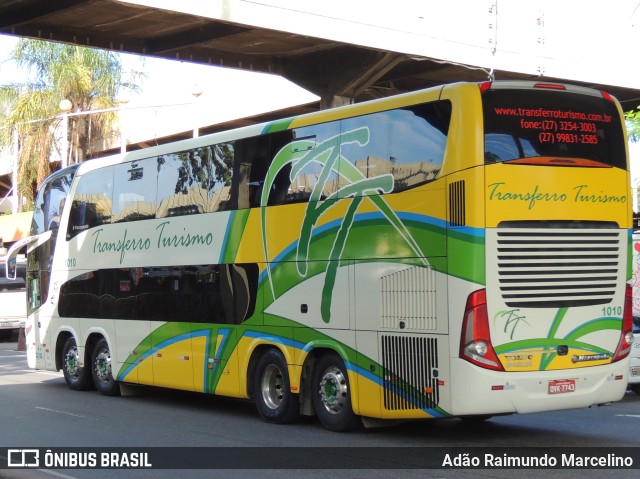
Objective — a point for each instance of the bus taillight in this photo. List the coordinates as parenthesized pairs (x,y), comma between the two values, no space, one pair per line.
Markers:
(475,341)
(626,335)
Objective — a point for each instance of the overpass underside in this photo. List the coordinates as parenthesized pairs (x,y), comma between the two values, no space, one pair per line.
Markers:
(337,72)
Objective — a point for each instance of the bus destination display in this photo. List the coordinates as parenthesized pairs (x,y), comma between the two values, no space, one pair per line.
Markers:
(558,126)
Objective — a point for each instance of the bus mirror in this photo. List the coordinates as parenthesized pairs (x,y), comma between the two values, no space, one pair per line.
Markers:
(10,268)
(11,258)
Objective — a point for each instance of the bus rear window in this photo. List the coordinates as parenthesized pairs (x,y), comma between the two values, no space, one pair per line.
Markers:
(552,127)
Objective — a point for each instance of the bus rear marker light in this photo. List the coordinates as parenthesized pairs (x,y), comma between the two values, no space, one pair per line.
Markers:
(475,340)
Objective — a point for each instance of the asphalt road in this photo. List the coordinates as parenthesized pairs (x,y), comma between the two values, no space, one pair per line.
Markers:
(37,409)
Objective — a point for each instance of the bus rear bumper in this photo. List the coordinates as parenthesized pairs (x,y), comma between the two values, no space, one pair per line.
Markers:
(494,392)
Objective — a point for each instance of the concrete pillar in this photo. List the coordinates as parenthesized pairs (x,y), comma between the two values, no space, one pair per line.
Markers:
(22,341)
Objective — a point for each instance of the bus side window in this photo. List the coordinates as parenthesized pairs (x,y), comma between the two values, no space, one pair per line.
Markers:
(407,143)
(33,289)
(312,145)
(238,288)
(221,176)
(134,190)
(249,170)
(92,202)
(201,302)
(223,294)
(55,195)
(79,297)
(194,181)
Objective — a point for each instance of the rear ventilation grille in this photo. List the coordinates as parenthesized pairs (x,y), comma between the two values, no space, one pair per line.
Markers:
(409,299)
(558,267)
(457,208)
(411,372)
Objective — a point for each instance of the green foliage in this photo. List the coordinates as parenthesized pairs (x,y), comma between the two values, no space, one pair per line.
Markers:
(633,124)
(30,111)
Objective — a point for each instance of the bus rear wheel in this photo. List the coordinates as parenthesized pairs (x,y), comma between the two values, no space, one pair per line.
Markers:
(101,370)
(331,395)
(77,377)
(272,390)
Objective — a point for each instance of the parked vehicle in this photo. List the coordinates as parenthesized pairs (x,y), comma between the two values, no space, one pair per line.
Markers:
(634,373)
(13,311)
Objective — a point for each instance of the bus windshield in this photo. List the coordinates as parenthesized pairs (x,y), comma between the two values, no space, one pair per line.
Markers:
(553,128)
(50,201)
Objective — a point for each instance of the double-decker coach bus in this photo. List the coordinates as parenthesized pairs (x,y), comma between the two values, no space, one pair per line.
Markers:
(458,251)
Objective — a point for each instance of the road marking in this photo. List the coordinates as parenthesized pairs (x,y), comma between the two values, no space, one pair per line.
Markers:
(48,373)
(59,412)
(629,415)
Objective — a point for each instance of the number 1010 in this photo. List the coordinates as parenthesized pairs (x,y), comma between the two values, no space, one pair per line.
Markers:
(612,311)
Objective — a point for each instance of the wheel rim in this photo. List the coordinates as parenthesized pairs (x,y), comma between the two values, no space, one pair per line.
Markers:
(333,390)
(272,386)
(102,365)
(71,362)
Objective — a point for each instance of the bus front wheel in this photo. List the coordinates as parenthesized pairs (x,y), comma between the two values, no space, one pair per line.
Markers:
(77,377)
(101,370)
(331,394)
(272,390)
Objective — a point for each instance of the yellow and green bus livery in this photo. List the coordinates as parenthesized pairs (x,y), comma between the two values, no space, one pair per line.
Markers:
(458,251)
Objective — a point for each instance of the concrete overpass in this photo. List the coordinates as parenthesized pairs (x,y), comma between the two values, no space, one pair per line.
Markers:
(338,59)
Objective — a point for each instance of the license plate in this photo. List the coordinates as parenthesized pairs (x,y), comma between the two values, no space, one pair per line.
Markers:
(562,386)
(635,371)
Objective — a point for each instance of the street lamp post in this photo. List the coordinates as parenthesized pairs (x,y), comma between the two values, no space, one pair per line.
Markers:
(14,171)
(123,99)
(196,92)
(65,107)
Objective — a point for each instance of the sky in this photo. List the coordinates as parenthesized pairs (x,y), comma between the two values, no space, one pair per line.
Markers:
(224,94)
(166,103)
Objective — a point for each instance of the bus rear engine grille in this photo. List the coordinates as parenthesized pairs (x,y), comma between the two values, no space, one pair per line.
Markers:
(539,268)
(410,372)
(409,299)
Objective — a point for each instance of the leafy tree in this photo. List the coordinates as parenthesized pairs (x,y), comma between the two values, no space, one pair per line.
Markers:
(633,124)
(207,167)
(90,79)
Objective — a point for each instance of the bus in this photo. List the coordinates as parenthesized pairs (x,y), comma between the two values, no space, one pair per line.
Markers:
(460,251)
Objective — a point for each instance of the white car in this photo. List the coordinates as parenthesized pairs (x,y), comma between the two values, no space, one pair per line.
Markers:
(634,373)
(13,304)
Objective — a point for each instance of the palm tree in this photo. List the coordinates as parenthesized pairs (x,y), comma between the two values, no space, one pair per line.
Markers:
(90,79)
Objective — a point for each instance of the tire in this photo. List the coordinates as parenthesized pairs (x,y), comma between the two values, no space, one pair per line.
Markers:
(635,388)
(77,378)
(272,390)
(331,395)
(101,370)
